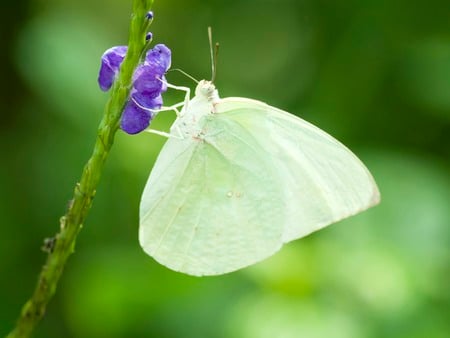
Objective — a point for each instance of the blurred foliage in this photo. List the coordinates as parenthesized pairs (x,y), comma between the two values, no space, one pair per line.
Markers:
(375,74)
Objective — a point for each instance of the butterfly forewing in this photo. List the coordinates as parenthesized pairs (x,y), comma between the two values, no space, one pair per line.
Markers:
(215,206)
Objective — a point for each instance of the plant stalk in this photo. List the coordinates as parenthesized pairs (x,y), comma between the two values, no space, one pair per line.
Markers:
(63,244)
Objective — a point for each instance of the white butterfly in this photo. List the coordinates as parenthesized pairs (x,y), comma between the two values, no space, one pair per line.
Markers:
(238,178)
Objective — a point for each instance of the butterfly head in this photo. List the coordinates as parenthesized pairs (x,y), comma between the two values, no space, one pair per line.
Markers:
(207,90)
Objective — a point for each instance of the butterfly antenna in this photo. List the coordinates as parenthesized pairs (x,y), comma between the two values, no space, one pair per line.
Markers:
(184,73)
(214,53)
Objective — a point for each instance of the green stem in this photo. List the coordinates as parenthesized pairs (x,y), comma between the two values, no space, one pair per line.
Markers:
(71,223)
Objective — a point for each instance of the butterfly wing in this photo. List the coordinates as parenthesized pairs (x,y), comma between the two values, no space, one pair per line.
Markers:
(213,204)
(322,180)
(256,177)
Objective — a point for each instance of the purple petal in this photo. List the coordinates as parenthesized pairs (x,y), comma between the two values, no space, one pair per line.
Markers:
(134,118)
(106,77)
(148,80)
(159,58)
(111,61)
(147,101)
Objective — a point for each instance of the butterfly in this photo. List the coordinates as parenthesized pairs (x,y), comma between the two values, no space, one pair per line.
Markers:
(238,178)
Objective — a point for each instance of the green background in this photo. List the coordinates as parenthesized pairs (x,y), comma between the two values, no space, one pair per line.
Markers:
(374,74)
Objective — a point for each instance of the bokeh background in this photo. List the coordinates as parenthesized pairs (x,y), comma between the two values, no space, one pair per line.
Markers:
(375,74)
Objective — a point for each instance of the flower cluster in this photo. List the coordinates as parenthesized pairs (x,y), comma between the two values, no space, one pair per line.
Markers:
(148,84)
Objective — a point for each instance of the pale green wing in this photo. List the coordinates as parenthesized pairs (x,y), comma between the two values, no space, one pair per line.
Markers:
(322,179)
(212,206)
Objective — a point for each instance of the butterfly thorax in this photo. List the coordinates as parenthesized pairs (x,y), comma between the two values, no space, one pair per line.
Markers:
(191,119)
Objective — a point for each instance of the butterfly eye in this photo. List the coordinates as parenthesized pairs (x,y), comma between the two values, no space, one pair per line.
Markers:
(206,89)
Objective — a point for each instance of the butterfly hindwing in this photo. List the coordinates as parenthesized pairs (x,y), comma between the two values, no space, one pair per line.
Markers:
(322,179)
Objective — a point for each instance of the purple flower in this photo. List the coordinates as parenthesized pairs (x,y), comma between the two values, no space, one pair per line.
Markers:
(148,84)
(134,118)
(111,61)
(145,100)
(159,58)
(139,111)
(148,78)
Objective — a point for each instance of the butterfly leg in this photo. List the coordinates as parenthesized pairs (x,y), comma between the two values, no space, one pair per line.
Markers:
(156,111)
(158,132)
(168,135)
(184,89)
(173,107)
